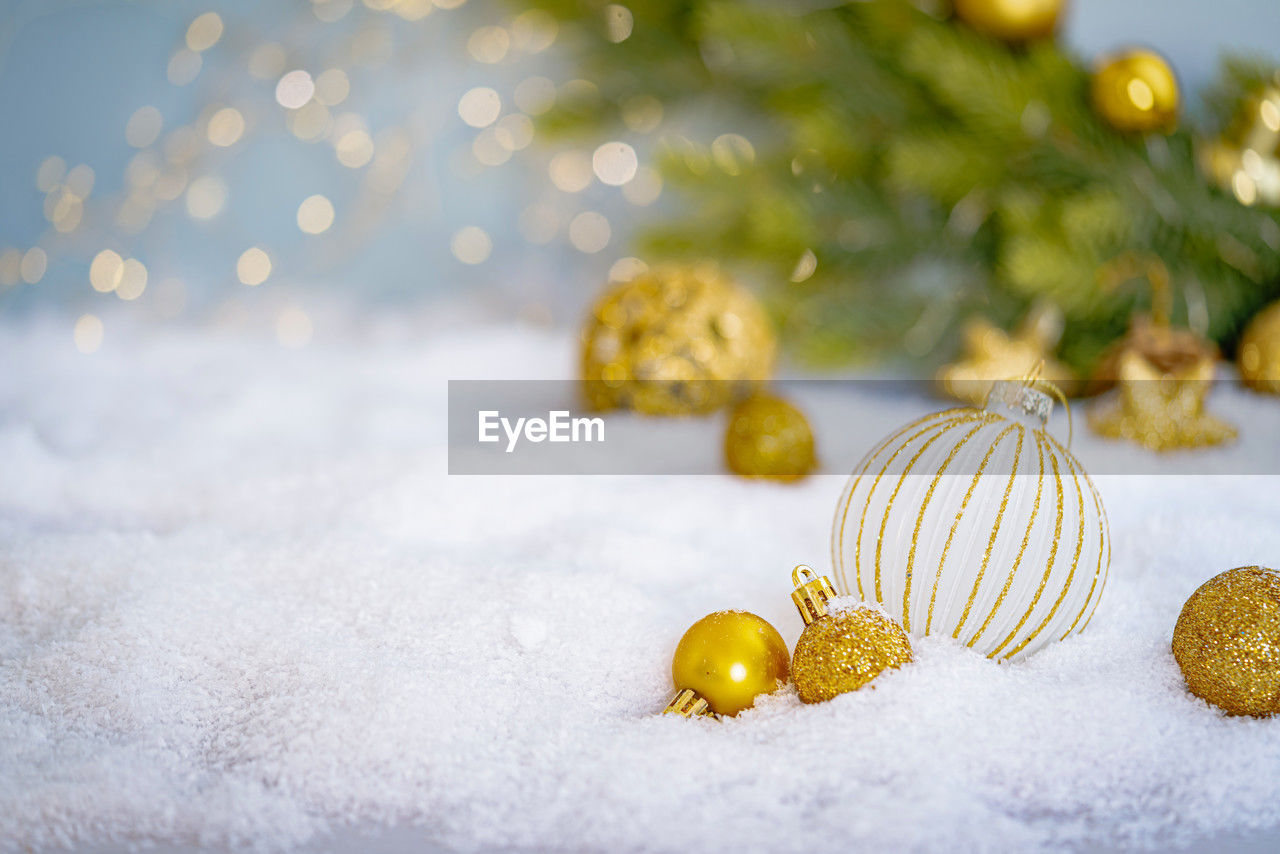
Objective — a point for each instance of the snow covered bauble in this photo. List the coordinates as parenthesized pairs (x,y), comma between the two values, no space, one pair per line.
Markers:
(976,524)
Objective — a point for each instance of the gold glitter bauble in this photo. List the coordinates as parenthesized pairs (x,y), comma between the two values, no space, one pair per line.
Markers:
(676,340)
(768,437)
(1227,641)
(727,659)
(845,650)
(1011,20)
(1136,91)
(1259,352)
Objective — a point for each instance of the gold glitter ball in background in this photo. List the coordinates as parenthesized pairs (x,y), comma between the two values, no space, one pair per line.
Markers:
(1227,641)
(1136,91)
(767,437)
(1258,354)
(675,340)
(724,661)
(845,650)
(1011,20)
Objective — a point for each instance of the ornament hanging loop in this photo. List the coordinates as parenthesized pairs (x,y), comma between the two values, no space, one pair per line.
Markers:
(1035,381)
(812,593)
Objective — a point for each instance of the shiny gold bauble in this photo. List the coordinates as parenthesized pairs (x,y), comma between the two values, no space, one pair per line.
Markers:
(1259,352)
(729,658)
(1227,641)
(844,650)
(1136,91)
(1011,20)
(768,437)
(675,340)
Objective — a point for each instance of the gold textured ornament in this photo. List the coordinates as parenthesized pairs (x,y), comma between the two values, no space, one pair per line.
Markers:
(676,340)
(1227,641)
(1011,20)
(978,525)
(1246,160)
(1164,376)
(1136,91)
(1258,354)
(724,661)
(990,354)
(768,437)
(840,650)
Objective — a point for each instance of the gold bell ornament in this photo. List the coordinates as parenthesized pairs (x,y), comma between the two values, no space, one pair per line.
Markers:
(977,524)
(1011,20)
(1258,354)
(991,354)
(767,437)
(1136,91)
(724,661)
(1164,375)
(840,650)
(1246,160)
(676,340)
(1227,641)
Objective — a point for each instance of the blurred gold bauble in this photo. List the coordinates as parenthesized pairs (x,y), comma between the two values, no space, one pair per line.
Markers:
(724,661)
(673,341)
(990,354)
(840,650)
(1259,352)
(1227,641)
(768,437)
(1011,20)
(1136,91)
(1246,160)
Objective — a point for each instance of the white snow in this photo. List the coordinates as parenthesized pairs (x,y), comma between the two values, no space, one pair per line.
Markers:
(242,603)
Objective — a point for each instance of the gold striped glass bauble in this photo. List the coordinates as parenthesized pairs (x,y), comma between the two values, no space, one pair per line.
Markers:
(976,524)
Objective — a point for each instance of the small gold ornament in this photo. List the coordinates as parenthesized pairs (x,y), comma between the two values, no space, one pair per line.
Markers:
(1246,160)
(1136,91)
(724,661)
(991,354)
(1011,20)
(840,650)
(673,341)
(768,437)
(1259,352)
(1227,641)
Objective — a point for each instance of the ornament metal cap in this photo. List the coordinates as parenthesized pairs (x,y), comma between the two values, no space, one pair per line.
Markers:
(812,593)
(687,704)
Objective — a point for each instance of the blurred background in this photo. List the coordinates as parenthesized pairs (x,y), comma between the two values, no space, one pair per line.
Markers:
(188,161)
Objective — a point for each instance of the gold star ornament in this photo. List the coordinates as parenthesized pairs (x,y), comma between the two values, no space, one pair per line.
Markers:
(990,354)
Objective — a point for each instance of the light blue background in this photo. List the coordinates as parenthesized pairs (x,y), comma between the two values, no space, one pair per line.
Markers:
(71,74)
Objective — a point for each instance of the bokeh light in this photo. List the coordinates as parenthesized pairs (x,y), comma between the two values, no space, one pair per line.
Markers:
(253,266)
(480,107)
(315,214)
(87,333)
(472,245)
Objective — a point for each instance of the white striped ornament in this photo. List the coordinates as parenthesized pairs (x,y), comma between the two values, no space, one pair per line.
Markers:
(976,524)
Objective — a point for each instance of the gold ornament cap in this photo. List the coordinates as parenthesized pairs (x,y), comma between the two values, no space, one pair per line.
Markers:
(688,704)
(812,593)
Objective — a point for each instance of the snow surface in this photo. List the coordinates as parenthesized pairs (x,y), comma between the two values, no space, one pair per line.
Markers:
(241,602)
